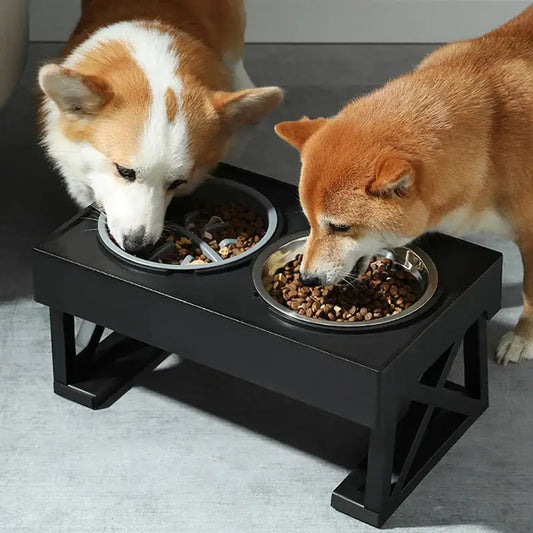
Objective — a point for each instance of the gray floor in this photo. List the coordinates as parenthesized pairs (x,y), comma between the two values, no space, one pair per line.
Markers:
(189,450)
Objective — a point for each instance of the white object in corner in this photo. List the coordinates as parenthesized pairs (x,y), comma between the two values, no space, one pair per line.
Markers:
(13,44)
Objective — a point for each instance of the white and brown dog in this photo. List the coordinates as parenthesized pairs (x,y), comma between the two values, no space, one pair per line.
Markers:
(144,102)
(447,147)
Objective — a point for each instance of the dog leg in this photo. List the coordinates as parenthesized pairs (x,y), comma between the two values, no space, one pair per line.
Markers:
(517,345)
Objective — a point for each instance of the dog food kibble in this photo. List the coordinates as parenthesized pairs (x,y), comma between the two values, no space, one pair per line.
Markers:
(214,224)
(235,222)
(183,248)
(385,289)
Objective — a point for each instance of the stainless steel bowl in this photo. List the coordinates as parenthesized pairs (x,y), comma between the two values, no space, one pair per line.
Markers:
(275,256)
(215,191)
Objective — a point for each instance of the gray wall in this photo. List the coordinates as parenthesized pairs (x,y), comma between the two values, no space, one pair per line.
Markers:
(53,20)
(431,21)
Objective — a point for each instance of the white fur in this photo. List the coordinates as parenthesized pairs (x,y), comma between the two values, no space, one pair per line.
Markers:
(514,349)
(463,221)
(163,153)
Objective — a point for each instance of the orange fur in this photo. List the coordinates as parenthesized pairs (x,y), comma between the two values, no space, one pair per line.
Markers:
(219,24)
(171,104)
(146,100)
(206,34)
(115,130)
(203,31)
(460,125)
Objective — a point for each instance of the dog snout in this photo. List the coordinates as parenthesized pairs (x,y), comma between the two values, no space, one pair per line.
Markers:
(309,280)
(134,241)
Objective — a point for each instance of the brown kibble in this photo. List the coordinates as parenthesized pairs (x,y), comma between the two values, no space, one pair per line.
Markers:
(377,293)
(281,278)
(238,222)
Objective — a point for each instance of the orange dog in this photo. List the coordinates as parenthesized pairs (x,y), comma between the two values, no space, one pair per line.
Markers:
(144,102)
(447,147)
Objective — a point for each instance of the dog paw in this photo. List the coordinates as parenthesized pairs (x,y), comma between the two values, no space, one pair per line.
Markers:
(514,349)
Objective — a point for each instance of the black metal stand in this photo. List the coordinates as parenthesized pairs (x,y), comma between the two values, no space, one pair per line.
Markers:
(402,452)
(101,372)
(394,381)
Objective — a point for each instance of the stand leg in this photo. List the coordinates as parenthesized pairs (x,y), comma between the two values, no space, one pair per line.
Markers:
(402,453)
(63,345)
(104,370)
(476,362)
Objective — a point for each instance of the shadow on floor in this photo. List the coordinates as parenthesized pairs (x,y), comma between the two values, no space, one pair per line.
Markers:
(338,441)
(288,421)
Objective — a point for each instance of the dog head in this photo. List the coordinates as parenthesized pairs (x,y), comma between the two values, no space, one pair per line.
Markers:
(358,191)
(129,128)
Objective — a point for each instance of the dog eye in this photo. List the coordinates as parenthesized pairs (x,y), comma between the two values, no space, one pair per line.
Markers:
(176,183)
(339,228)
(126,173)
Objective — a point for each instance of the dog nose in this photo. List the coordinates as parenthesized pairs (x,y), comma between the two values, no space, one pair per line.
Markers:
(134,242)
(309,280)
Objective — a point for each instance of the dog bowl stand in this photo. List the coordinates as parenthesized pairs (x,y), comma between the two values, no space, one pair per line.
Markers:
(393,381)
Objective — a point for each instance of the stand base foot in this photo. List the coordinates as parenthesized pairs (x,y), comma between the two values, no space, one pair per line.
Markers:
(108,373)
(444,430)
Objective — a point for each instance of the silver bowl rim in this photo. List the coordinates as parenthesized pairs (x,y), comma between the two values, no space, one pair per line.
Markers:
(285,312)
(272,226)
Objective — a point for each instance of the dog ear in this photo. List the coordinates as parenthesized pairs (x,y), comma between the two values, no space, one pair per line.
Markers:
(248,106)
(394,177)
(298,132)
(73,92)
